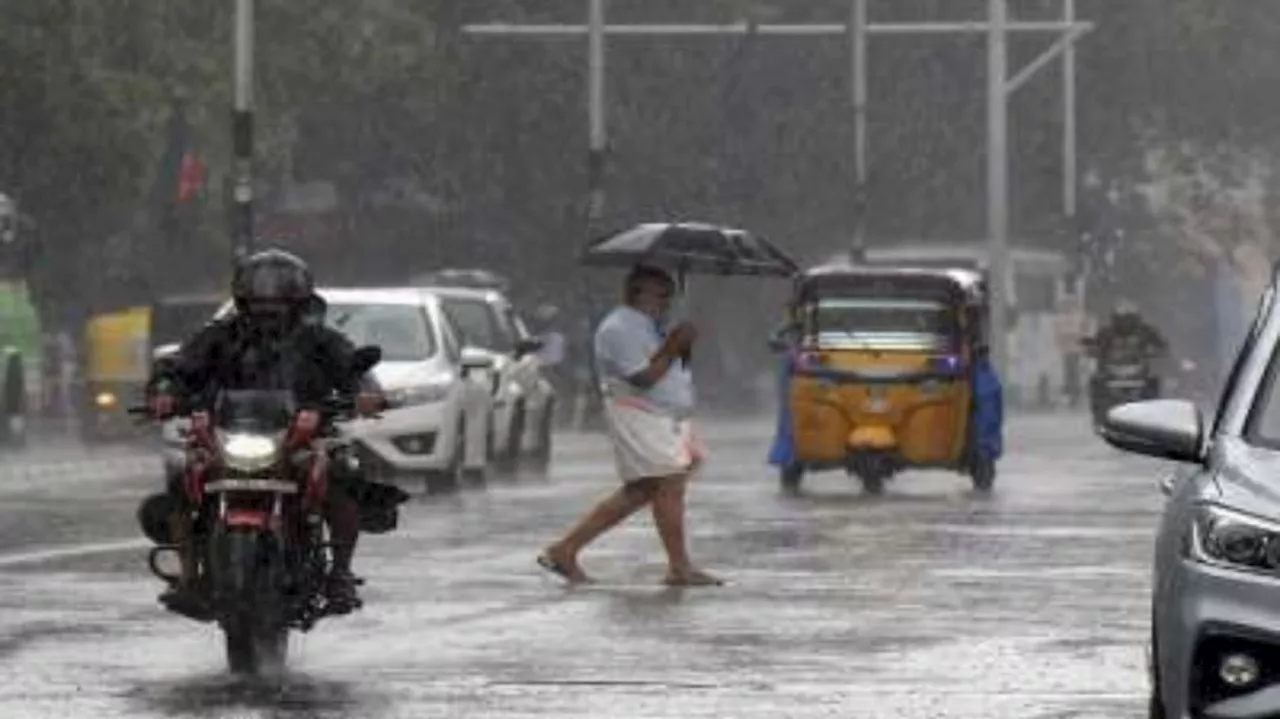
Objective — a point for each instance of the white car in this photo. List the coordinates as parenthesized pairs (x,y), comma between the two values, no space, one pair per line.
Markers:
(424,375)
(523,400)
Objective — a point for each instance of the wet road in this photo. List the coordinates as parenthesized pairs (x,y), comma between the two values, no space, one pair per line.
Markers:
(929,602)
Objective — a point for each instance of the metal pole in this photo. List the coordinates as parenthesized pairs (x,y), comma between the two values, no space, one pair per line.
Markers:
(784,30)
(858,42)
(242,128)
(1069,118)
(597,147)
(598,139)
(997,181)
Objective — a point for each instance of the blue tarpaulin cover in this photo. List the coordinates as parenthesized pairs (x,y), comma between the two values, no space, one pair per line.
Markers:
(988,409)
(783,451)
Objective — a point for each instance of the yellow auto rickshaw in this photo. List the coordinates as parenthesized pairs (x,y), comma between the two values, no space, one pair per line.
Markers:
(879,375)
(116,367)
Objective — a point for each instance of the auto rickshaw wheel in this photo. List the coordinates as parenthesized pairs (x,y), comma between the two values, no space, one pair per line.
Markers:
(790,477)
(983,473)
(872,469)
(873,481)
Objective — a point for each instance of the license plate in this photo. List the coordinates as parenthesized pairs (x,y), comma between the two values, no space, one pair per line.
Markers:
(278,486)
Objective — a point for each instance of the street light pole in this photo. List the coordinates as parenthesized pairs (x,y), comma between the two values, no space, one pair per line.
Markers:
(598,140)
(997,180)
(858,72)
(999,88)
(242,129)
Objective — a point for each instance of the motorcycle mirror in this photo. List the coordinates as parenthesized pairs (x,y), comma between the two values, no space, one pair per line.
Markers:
(366,357)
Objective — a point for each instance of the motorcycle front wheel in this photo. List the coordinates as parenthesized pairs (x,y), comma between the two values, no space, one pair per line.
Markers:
(256,639)
(255,652)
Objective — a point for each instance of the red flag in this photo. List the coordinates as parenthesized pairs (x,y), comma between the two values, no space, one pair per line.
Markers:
(190,177)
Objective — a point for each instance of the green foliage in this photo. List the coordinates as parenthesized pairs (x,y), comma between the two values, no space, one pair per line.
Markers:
(760,135)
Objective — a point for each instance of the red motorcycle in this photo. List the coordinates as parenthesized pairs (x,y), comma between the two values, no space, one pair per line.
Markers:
(256,476)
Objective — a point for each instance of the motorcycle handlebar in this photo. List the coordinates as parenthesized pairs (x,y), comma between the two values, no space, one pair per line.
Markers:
(343,408)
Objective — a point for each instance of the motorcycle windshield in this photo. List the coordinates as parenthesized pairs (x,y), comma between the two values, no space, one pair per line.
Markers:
(254,411)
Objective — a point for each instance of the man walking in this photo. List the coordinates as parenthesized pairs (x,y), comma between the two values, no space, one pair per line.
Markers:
(648,395)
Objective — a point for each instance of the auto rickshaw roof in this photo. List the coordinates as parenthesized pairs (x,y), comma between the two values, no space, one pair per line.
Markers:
(969,285)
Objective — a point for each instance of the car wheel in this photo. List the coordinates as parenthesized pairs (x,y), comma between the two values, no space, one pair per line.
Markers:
(449,478)
(509,459)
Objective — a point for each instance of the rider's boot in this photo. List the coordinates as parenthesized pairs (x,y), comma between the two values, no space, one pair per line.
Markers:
(183,597)
(343,515)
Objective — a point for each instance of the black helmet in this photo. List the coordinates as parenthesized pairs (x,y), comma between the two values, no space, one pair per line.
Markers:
(272,276)
(272,288)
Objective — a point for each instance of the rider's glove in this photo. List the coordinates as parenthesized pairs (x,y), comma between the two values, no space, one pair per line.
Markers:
(369,403)
(162,405)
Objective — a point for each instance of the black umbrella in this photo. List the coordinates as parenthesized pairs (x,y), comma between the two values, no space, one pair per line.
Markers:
(691,247)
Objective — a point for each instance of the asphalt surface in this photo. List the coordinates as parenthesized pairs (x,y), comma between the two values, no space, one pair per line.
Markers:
(929,602)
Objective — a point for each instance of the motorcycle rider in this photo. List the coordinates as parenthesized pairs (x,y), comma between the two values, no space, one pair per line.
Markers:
(268,343)
(1126,325)
(1125,330)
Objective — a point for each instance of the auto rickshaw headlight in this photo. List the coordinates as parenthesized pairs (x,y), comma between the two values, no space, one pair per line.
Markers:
(105,400)
(809,360)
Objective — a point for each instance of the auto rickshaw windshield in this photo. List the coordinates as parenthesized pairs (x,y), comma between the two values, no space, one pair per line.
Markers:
(880,323)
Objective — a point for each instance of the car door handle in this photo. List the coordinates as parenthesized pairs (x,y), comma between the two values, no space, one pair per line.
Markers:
(1166,485)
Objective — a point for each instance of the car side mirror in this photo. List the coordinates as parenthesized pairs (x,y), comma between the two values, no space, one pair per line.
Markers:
(778,344)
(365,358)
(1164,428)
(528,346)
(474,359)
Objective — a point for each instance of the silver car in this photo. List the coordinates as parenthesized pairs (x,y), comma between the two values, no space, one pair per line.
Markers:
(523,399)
(1215,611)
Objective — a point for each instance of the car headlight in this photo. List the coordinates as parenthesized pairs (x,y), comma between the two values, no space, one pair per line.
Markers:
(249,452)
(419,394)
(1230,538)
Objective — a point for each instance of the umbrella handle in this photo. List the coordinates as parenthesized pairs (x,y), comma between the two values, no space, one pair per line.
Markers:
(683,285)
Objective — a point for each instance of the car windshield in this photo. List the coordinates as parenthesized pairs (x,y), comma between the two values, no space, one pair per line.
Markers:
(880,324)
(265,411)
(404,332)
(479,325)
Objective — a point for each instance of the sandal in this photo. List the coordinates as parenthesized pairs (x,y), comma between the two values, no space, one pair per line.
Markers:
(695,578)
(573,575)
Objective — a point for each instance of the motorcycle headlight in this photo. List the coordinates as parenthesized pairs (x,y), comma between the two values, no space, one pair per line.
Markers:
(1229,538)
(419,394)
(249,452)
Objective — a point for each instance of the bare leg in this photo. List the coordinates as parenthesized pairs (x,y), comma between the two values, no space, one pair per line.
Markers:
(668,515)
(623,503)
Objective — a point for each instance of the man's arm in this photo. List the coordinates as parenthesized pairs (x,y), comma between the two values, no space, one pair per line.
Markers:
(658,366)
(189,371)
(628,353)
(340,355)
